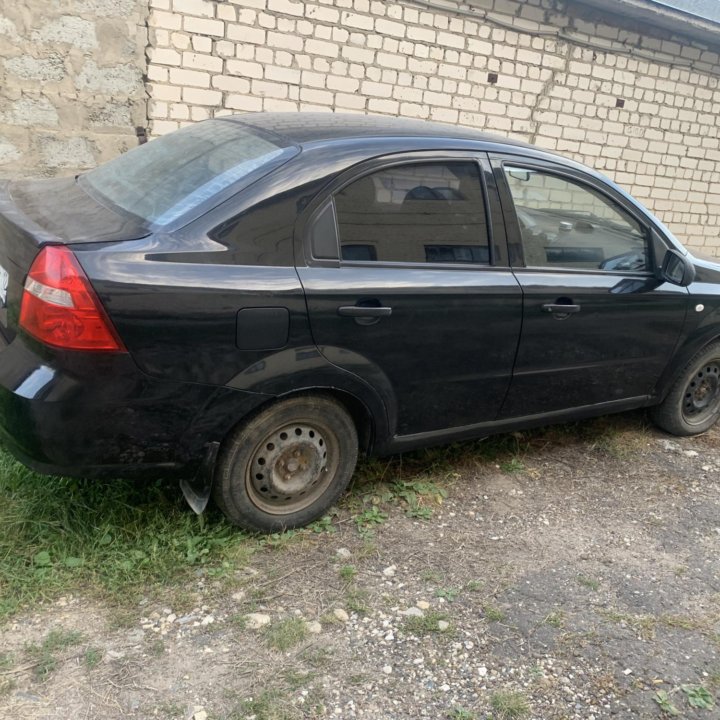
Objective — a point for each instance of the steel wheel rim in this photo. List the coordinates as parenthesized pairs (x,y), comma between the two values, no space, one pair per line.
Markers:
(701,399)
(292,467)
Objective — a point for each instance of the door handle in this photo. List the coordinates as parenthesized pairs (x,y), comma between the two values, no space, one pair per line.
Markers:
(560,309)
(364,311)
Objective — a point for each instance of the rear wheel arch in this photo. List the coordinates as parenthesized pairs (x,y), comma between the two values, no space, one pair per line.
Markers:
(365,423)
(287,463)
(360,414)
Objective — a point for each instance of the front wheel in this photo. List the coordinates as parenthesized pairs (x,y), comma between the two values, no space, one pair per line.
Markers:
(693,404)
(286,466)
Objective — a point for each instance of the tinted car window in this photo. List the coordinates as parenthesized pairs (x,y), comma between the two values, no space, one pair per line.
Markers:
(567,224)
(418,213)
(169,177)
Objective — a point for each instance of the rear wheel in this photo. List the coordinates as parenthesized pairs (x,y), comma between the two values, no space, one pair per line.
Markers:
(286,466)
(693,404)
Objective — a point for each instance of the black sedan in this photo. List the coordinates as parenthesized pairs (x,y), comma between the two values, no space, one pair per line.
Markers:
(247,303)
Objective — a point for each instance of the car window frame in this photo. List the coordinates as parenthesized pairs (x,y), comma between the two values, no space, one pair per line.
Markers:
(514,235)
(497,241)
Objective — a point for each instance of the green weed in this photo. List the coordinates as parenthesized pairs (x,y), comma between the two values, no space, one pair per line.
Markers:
(449,594)
(357,600)
(459,713)
(662,698)
(425,624)
(370,518)
(92,657)
(286,633)
(493,614)
(348,572)
(323,525)
(555,619)
(430,576)
(268,705)
(280,540)
(509,705)
(513,465)
(589,583)
(45,655)
(698,696)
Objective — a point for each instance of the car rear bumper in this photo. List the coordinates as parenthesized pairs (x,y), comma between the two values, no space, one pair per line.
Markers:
(98,415)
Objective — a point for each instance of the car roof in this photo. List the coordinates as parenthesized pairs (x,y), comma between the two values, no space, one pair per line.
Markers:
(307,127)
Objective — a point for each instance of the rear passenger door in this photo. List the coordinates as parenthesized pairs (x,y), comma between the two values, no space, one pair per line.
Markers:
(408,286)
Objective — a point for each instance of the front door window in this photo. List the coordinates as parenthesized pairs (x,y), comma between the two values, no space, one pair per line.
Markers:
(566,224)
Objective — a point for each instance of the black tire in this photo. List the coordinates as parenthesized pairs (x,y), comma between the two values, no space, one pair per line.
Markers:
(693,404)
(287,465)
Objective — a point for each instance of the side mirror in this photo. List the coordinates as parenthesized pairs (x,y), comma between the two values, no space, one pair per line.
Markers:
(677,269)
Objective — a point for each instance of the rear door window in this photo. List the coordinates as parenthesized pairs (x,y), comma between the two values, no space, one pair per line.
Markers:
(415,213)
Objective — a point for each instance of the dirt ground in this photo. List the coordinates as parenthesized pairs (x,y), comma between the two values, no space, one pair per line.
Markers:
(581,580)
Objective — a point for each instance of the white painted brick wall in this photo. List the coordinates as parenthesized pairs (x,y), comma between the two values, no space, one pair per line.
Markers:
(211,57)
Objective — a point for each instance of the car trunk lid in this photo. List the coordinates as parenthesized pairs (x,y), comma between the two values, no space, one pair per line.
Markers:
(34,213)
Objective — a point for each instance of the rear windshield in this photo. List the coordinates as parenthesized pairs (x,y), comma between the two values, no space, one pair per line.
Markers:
(168,178)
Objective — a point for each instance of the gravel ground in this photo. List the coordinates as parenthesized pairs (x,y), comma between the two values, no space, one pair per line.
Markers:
(580,580)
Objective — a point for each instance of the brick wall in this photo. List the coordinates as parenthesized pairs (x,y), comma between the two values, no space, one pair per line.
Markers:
(71,83)
(561,75)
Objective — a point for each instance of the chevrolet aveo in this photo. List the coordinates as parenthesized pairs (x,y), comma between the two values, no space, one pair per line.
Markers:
(249,302)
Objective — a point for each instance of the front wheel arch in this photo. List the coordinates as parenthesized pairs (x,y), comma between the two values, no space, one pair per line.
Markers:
(692,404)
(681,357)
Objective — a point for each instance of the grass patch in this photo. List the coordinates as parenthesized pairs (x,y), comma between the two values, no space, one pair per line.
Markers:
(448,594)
(509,705)
(643,625)
(646,625)
(513,465)
(555,619)
(409,481)
(296,679)
(92,657)
(45,655)
(348,572)
(268,705)
(431,576)
(589,583)
(276,703)
(493,614)
(286,633)
(460,713)
(119,538)
(357,600)
(426,624)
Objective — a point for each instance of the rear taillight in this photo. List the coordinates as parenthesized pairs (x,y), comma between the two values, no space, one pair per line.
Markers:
(60,308)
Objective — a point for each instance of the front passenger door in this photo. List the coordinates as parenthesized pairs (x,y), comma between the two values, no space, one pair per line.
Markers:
(598,327)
